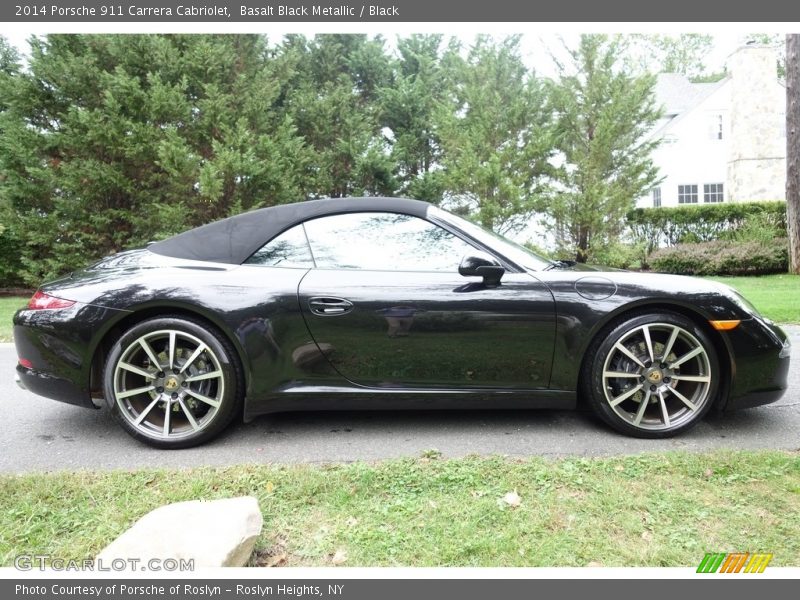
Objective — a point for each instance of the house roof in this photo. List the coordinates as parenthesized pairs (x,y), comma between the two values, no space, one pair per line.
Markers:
(679,96)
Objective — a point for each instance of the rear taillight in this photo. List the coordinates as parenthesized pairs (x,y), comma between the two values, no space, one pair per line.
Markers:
(26,363)
(42,301)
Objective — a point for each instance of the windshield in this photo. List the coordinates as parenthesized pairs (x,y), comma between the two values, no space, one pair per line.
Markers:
(513,251)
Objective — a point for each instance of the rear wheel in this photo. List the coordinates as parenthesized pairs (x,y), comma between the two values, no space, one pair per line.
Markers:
(172,382)
(652,375)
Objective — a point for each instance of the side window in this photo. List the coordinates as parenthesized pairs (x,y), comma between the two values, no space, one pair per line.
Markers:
(289,250)
(383,242)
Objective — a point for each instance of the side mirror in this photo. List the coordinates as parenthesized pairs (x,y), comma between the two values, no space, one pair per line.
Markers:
(479,264)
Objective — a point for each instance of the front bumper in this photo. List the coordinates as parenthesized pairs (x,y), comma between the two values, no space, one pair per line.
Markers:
(761,364)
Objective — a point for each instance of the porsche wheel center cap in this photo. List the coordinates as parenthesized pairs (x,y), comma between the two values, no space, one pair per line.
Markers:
(171,384)
(655,377)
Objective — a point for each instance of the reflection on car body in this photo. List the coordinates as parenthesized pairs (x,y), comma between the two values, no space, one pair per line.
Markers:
(384,303)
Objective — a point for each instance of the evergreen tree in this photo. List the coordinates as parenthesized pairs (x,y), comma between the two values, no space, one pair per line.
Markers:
(115,140)
(409,108)
(602,117)
(495,135)
(10,263)
(334,100)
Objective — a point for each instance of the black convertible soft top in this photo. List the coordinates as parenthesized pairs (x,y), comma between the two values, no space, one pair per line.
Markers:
(235,239)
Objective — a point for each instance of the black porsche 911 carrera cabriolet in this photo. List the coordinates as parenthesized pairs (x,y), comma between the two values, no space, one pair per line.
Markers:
(373,303)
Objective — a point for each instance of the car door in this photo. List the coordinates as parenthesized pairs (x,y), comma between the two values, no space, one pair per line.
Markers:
(387,306)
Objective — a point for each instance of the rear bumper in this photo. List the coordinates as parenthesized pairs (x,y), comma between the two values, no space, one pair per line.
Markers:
(52,387)
(55,347)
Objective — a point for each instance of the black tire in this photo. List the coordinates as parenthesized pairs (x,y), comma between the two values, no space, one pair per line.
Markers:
(677,394)
(203,386)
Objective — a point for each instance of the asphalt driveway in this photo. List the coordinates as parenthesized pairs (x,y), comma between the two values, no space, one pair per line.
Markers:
(43,435)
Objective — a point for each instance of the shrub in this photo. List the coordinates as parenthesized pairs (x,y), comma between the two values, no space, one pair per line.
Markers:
(723,257)
(760,227)
(618,255)
(669,226)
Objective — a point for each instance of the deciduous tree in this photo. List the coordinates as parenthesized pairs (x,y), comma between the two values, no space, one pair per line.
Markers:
(661,53)
(793,149)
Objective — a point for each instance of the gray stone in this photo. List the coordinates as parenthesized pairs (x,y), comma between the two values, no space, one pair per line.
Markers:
(757,153)
(215,533)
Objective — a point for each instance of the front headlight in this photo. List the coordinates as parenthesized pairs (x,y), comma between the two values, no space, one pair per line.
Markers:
(786,350)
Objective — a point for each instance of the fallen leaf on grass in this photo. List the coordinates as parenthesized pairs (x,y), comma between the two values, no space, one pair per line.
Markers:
(277,560)
(339,557)
(512,499)
(274,556)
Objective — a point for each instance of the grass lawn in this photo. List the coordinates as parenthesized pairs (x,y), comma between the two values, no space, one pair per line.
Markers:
(777,297)
(656,510)
(8,306)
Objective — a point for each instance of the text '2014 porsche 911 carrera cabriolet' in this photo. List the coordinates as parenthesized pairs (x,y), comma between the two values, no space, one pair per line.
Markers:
(374,303)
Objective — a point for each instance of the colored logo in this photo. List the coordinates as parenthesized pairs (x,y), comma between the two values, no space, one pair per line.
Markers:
(734,562)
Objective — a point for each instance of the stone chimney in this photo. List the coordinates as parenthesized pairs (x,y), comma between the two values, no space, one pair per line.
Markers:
(757,146)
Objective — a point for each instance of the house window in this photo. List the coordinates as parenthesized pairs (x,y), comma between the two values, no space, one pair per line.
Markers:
(715,127)
(687,194)
(656,197)
(712,192)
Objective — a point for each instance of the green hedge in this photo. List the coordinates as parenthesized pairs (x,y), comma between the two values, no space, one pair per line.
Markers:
(723,257)
(668,226)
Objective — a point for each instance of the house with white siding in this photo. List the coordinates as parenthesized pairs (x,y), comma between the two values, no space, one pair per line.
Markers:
(722,141)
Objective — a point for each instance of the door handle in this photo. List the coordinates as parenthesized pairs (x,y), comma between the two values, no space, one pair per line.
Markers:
(329,307)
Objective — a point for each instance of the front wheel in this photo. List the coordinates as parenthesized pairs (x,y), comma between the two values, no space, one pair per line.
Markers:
(652,375)
(172,382)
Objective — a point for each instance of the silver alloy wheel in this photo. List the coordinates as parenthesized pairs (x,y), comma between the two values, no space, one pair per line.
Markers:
(657,376)
(168,384)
